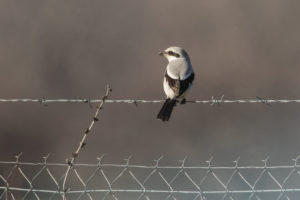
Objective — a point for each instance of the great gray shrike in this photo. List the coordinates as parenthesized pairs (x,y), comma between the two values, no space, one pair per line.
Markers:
(178,79)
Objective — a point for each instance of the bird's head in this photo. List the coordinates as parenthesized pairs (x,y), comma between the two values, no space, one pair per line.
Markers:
(173,53)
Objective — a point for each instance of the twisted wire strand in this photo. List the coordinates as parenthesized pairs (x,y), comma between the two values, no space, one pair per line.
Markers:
(137,101)
(151,191)
(150,166)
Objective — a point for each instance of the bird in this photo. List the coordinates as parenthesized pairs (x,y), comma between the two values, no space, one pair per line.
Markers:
(178,79)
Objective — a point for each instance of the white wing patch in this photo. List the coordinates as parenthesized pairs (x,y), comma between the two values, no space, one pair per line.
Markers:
(168,90)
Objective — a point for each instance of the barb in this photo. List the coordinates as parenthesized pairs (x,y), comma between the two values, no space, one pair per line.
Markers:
(211,101)
(264,100)
(82,144)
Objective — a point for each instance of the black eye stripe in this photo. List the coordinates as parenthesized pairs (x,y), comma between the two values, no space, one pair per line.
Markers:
(171,53)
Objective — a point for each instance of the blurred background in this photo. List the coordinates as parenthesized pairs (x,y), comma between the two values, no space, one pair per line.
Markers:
(72,49)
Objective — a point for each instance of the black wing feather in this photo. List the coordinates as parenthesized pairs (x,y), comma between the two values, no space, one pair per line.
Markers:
(179,86)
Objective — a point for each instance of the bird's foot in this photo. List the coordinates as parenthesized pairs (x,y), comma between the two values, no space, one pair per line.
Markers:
(183,101)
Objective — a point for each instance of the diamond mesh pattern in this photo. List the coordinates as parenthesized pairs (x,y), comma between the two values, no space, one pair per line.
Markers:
(24,180)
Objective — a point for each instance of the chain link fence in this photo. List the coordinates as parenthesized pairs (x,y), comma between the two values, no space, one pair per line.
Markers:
(99,180)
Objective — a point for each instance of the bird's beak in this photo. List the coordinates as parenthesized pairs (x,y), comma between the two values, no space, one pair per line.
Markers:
(161,53)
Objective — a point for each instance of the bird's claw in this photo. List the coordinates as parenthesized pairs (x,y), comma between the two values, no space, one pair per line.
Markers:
(183,101)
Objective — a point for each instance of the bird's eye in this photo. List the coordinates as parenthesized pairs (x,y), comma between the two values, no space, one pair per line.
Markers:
(170,52)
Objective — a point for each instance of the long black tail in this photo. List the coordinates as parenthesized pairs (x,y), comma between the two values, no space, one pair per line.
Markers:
(166,111)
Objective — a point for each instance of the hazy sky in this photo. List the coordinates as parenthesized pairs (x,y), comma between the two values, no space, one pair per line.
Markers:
(72,49)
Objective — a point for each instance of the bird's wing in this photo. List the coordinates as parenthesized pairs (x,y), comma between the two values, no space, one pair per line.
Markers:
(173,83)
(185,84)
(179,86)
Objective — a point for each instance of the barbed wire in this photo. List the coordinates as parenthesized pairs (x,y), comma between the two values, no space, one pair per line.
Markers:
(211,101)
(157,181)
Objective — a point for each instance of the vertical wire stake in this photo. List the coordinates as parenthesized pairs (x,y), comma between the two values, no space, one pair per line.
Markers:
(82,142)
